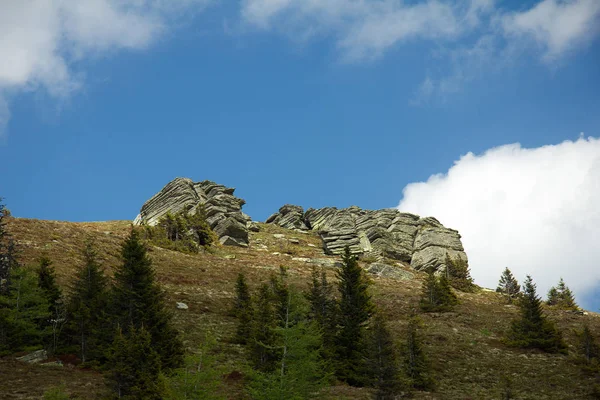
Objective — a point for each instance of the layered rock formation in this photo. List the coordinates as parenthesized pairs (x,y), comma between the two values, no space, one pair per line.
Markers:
(421,242)
(223,209)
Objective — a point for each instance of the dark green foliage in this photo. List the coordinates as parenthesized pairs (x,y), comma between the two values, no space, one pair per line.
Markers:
(416,366)
(323,310)
(532,329)
(355,309)
(562,297)
(508,286)
(23,310)
(587,346)
(382,364)
(281,294)
(4,239)
(200,378)
(134,366)
(437,295)
(137,300)
(47,282)
(185,231)
(458,274)
(263,345)
(89,326)
(300,371)
(243,310)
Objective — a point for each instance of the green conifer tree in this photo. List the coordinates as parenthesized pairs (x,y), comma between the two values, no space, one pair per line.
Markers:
(134,367)
(437,295)
(382,363)
(355,309)
(566,299)
(23,309)
(89,326)
(280,292)
(553,297)
(137,300)
(532,329)
(4,239)
(47,282)
(587,346)
(323,310)
(300,370)
(243,310)
(263,346)
(416,366)
(508,286)
(459,274)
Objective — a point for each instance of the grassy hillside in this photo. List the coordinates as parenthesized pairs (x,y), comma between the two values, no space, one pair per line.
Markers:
(463,346)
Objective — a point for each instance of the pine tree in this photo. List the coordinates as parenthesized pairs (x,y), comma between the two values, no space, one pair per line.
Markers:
(416,366)
(508,285)
(437,295)
(553,297)
(382,363)
(263,346)
(300,371)
(323,310)
(459,274)
(355,309)
(88,325)
(47,283)
(280,292)
(23,309)
(202,232)
(137,300)
(587,346)
(532,329)
(134,366)
(564,297)
(243,310)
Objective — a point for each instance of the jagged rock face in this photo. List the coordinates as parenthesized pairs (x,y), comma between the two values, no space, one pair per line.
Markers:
(421,242)
(223,210)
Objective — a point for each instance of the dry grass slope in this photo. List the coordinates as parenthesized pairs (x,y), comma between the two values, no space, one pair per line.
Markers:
(464,346)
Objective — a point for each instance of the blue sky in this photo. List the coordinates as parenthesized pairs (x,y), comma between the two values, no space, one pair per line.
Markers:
(314,103)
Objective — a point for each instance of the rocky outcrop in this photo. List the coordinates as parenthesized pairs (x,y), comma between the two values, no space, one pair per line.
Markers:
(386,233)
(223,210)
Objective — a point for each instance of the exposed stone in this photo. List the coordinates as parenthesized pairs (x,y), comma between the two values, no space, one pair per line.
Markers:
(389,271)
(289,217)
(278,235)
(386,233)
(223,210)
(294,241)
(34,357)
(182,306)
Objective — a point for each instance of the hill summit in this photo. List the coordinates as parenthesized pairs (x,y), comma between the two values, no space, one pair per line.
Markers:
(421,243)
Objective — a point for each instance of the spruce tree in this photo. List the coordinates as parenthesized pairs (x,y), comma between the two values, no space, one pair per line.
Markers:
(437,295)
(323,309)
(263,345)
(4,240)
(532,329)
(566,299)
(355,309)
(300,370)
(459,274)
(23,311)
(138,300)
(553,296)
(134,366)
(587,346)
(280,292)
(508,286)
(416,366)
(47,283)
(382,363)
(89,326)
(242,310)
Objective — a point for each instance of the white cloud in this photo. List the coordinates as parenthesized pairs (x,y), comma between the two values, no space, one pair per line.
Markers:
(532,210)
(366,29)
(558,26)
(40,39)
